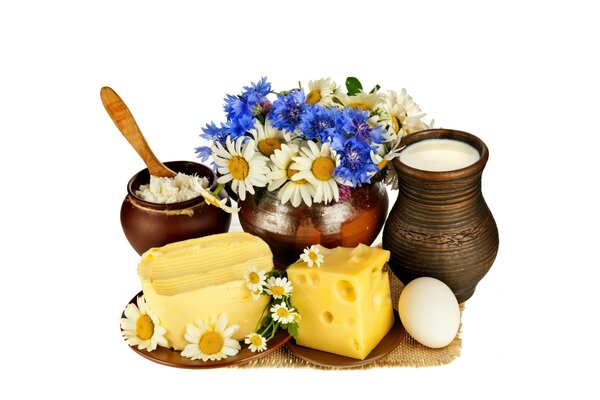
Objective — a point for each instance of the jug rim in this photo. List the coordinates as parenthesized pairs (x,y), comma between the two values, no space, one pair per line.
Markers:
(469,138)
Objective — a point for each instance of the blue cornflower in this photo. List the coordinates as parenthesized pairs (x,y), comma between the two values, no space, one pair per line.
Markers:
(241,106)
(356,165)
(257,92)
(214,133)
(236,107)
(318,123)
(287,110)
(354,123)
(203,152)
(239,126)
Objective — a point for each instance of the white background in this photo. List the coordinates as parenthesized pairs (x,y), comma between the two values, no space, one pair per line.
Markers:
(523,77)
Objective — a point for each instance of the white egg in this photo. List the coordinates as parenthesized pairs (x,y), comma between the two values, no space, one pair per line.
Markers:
(429,312)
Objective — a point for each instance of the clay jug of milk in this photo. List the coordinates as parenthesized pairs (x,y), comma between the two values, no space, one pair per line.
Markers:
(440,225)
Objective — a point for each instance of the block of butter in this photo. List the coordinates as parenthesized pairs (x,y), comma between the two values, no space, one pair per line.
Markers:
(345,304)
(200,278)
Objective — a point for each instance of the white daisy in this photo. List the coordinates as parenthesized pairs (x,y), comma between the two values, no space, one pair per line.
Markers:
(316,164)
(141,327)
(282,173)
(361,101)
(387,152)
(280,313)
(213,200)
(297,317)
(268,139)
(312,256)
(403,116)
(279,287)
(321,92)
(211,340)
(241,164)
(255,279)
(256,294)
(256,342)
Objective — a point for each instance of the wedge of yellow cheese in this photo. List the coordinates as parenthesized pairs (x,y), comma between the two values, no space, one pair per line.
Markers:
(345,305)
(200,278)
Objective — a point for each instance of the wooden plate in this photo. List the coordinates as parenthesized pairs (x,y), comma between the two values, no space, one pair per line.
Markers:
(324,359)
(173,358)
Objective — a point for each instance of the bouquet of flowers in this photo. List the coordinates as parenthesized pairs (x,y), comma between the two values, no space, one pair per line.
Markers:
(309,146)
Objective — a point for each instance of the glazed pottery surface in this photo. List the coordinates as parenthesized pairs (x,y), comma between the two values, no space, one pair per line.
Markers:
(440,225)
(288,230)
(148,225)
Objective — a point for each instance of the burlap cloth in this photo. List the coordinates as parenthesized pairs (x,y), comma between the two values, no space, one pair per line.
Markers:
(408,354)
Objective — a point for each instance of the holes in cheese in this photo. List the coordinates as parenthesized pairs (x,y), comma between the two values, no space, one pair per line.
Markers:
(327,317)
(381,301)
(301,279)
(351,322)
(315,279)
(376,275)
(376,270)
(377,301)
(346,291)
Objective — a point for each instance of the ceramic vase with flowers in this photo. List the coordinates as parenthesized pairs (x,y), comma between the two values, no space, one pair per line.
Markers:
(310,165)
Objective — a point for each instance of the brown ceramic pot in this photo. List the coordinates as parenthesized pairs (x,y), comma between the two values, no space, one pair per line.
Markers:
(441,225)
(148,225)
(288,229)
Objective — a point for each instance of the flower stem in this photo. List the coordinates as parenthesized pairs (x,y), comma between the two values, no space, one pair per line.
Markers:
(273,331)
(260,320)
(268,329)
(218,189)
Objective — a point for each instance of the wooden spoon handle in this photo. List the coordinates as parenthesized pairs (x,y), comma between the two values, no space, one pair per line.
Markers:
(123,119)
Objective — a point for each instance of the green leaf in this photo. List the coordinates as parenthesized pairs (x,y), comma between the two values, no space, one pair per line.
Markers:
(353,85)
(293,330)
(375,89)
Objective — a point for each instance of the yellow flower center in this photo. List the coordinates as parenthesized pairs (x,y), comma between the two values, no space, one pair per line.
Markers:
(322,168)
(144,327)
(277,290)
(238,166)
(382,164)
(269,145)
(396,124)
(360,105)
(254,278)
(210,343)
(313,97)
(292,172)
(313,256)
(256,340)
(283,313)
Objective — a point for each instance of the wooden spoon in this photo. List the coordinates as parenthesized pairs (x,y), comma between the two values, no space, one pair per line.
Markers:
(121,116)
